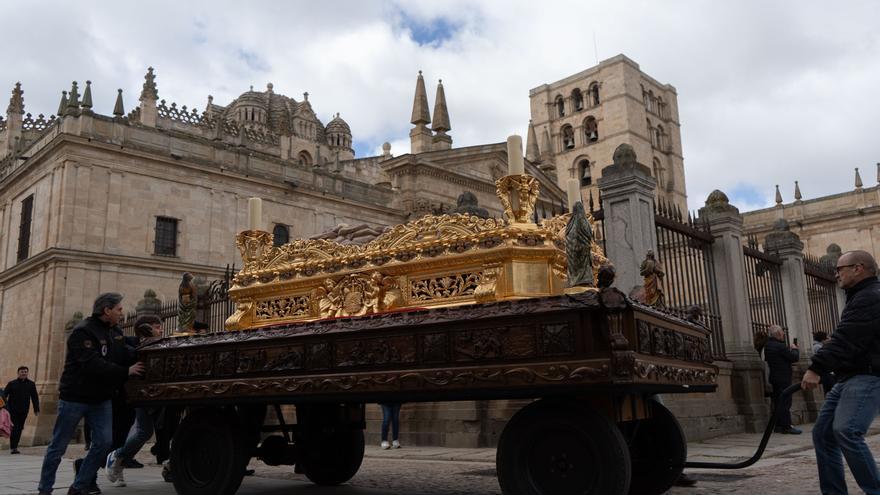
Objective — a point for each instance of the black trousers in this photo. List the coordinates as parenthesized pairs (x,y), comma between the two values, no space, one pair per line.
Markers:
(18,420)
(783,407)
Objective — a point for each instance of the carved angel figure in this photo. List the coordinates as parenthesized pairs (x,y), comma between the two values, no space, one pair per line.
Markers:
(578,246)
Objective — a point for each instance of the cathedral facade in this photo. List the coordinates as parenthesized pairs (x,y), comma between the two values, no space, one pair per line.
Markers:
(93,203)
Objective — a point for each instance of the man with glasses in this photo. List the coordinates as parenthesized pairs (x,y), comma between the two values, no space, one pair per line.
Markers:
(853,354)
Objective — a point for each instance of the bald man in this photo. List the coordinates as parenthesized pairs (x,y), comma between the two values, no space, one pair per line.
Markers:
(853,354)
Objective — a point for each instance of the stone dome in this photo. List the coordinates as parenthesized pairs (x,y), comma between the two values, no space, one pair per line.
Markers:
(338,126)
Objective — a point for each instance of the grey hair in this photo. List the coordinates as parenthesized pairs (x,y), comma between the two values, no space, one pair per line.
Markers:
(107,300)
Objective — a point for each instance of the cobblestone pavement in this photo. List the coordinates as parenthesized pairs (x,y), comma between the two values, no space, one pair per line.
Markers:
(789,468)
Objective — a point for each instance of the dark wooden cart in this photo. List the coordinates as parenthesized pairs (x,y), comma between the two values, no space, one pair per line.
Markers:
(592,361)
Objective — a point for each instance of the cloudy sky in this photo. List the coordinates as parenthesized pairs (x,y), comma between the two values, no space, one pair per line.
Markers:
(769,92)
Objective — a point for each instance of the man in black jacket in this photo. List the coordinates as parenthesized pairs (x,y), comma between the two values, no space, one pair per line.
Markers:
(90,378)
(779,359)
(19,394)
(853,354)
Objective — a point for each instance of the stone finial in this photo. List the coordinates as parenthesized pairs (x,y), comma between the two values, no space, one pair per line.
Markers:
(782,237)
(832,253)
(270,88)
(306,96)
(72,101)
(467,204)
(386,150)
(797,191)
(118,108)
(719,203)
(625,156)
(858,180)
(62,105)
(420,114)
(441,114)
(533,153)
(546,147)
(149,91)
(87,98)
(16,102)
(778,195)
(149,305)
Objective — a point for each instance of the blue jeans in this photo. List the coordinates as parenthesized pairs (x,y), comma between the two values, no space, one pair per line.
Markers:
(99,417)
(390,413)
(140,432)
(849,409)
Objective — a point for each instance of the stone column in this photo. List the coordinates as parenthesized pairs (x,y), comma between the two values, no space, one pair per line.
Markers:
(627,190)
(747,380)
(788,246)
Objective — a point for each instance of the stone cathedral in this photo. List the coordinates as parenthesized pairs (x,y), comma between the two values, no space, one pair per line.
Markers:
(93,203)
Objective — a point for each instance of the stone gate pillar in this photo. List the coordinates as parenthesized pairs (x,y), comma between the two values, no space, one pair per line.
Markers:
(747,380)
(627,190)
(788,246)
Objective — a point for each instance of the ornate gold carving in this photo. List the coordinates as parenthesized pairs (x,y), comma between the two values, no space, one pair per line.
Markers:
(284,307)
(518,195)
(486,291)
(243,317)
(253,246)
(444,287)
(352,295)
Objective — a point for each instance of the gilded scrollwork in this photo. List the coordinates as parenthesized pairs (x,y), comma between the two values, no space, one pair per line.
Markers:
(525,188)
(444,287)
(283,307)
(487,290)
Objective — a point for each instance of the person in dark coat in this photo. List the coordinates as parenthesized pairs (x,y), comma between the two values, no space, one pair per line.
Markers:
(19,395)
(90,377)
(853,354)
(779,359)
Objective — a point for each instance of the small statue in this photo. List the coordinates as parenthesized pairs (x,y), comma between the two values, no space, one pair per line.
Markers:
(652,272)
(187,299)
(578,245)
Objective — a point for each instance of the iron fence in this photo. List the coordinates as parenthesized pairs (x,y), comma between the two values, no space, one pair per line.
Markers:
(764,286)
(821,295)
(214,308)
(685,250)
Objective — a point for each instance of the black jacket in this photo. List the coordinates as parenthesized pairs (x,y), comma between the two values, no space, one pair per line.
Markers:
(779,358)
(97,362)
(19,394)
(854,348)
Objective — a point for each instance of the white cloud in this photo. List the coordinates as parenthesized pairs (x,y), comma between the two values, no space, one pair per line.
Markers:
(768,92)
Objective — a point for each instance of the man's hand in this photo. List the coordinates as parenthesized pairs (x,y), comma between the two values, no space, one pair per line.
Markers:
(137,369)
(810,381)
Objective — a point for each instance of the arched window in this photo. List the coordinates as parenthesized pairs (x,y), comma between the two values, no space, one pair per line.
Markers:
(661,138)
(280,235)
(304,159)
(591,130)
(650,103)
(560,106)
(651,135)
(578,99)
(594,93)
(585,173)
(567,137)
(658,173)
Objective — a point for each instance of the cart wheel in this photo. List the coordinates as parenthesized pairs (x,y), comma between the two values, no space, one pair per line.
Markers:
(658,450)
(206,454)
(562,448)
(332,456)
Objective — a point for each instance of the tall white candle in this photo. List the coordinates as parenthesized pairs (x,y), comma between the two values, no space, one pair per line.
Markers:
(515,165)
(574,193)
(255,213)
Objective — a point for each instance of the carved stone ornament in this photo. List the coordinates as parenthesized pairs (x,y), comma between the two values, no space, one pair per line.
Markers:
(518,195)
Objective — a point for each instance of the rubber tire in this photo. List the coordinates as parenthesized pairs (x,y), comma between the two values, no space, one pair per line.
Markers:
(567,437)
(658,450)
(332,456)
(207,454)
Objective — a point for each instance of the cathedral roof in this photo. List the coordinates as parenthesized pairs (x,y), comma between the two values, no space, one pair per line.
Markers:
(338,126)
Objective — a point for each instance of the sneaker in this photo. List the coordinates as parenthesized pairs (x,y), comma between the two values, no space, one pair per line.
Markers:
(14,451)
(120,480)
(385,445)
(93,489)
(791,430)
(114,468)
(395,444)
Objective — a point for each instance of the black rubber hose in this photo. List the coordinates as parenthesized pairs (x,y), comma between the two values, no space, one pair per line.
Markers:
(766,438)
